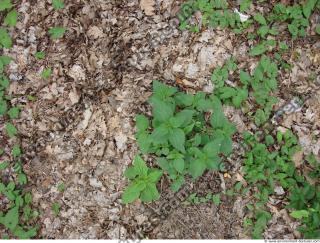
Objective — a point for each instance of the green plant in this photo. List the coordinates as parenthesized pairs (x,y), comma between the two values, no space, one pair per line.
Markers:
(56,208)
(19,203)
(297,16)
(231,95)
(57,32)
(58,4)
(5,39)
(244,5)
(46,73)
(263,170)
(16,214)
(143,182)
(40,55)
(61,187)
(11,18)
(215,13)
(180,136)
(194,199)
(5,4)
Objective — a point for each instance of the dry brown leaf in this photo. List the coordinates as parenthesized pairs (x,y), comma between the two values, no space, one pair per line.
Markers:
(147,6)
(297,158)
(240,178)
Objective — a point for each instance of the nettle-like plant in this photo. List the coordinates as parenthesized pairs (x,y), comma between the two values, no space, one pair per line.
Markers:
(297,16)
(234,95)
(262,82)
(187,134)
(267,164)
(215,13)
(143,182)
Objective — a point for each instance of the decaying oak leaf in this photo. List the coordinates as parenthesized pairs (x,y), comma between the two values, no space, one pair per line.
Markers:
(147,6)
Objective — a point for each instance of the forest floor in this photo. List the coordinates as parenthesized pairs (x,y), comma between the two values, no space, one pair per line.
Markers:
(80,129)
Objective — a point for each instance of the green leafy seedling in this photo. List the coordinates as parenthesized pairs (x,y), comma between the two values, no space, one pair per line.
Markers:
(58,4)
(57,32)
(40,55)
(5,4)
(11,18)
(46,73)
(142,182)
(56,208)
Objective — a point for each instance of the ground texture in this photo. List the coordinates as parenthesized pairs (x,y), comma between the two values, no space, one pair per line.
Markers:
(80,130)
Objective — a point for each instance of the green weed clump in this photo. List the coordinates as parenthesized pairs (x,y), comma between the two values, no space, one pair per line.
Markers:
(187,134)
(18,216)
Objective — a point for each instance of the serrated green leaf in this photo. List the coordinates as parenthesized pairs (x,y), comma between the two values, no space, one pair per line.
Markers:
(142,123)
(57,4)
(163,91)
(155,175)
(299,214)
(244,77)
(217,119)
(182,118)
(140,166)
(4,60)
(16,151)
(4,165)
(14,112)
(11,18)
(150,193)
(5,4)
(204,105)
(178,164)
(131,172)
(144,141)
(11,219)
(22,234)
(4,82)
(242,95)
(56,208)
(22,179)
(183,99)
(61,187)
(260,117)
(5,39)
(263,31)
(197,167)
(57,32)
(161,110)
(46,73)
(227,92)
(260,19)
(160,134)
(213,148)
(258,50)
(40,55)
(11,130)
(177,139)
(244,5)
(308,7)
(213,162)
(3,107)
(132,192)
(216,199)
(176,184)
(226,146)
